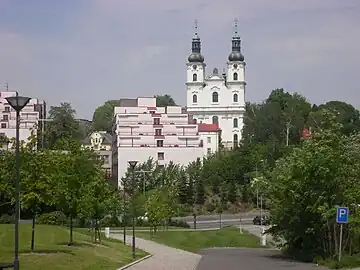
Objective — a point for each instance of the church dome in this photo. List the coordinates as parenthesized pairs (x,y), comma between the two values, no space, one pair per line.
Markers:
(236,56)
(196,58)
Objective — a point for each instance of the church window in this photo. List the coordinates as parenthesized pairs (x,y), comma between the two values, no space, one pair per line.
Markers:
(194,98)
(235,140)
(235,98)
(215,97)
(215,119)
(194,77)
(235,76)
(235,123)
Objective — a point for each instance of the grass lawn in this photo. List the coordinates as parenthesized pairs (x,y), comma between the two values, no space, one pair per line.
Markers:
(129,229)
(52,252)
(193,241)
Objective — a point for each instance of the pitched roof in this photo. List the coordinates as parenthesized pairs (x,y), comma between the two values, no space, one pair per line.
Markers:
(107,138)
(208,127)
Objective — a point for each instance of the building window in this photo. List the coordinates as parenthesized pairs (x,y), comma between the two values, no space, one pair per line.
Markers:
(209,139)
(7,109)
(106,159)
(195,121)
(236,140)
(194,98)
(235,123)
(161,156)
(160,143)
(5,117)
(194,77)
(209,151)
(158,132)
(235,76)
(3,125)
(215,97)
(215,119)
(156,121)
(235,98)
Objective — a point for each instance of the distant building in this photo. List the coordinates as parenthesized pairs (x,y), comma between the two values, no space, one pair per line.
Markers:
(218,98)
(101,143)
(143,131)
(30,118)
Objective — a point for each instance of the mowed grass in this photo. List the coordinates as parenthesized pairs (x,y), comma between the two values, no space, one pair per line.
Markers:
(52,252)
(194,241)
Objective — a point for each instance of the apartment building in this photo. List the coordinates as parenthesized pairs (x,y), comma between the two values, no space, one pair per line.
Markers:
(30,117)
(143,131)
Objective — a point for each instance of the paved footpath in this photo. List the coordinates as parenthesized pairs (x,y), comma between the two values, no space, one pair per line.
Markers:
(164,257)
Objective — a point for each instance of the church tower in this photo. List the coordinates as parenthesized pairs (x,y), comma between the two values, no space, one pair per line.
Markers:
(195,64)
(236,63)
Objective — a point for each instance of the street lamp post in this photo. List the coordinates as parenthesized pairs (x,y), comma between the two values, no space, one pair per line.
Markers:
(133,165)
(124,213)
(144,179)
(17,103)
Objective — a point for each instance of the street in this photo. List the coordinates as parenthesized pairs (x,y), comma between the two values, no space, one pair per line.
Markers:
(248,259)
(213,221)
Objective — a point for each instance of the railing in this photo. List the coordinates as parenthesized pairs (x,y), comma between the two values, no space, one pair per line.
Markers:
(163,146)
(135,123)
(6,266)
(155,134)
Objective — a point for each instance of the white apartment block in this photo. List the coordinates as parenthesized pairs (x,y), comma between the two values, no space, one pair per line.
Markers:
(29,117)
(144,131)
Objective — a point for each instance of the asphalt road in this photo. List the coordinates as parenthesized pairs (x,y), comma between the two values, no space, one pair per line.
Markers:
(249,259)
(214,221)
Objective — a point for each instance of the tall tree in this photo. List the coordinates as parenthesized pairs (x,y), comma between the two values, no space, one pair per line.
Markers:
(63,129)
(103,116)
(164,100)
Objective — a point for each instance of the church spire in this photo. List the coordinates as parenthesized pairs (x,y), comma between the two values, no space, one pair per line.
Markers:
(235,54)
(195,55)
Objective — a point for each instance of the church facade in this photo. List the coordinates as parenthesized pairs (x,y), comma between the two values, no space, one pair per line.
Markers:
(218,98)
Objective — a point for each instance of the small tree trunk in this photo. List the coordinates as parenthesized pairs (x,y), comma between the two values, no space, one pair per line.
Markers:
(71,231)
(33,231)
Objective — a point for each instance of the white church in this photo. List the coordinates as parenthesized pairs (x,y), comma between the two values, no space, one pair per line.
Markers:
(218,98)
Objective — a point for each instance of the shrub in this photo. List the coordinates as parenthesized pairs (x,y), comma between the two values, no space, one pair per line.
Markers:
(179,223)
(7,219)
(110,221)
(53,218)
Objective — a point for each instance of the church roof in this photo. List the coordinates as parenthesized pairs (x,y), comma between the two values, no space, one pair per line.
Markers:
(107,138)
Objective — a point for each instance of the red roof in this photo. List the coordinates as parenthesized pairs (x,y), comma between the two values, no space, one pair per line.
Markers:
(208,127)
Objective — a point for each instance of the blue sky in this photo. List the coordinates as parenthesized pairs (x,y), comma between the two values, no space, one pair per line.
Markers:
(88,51)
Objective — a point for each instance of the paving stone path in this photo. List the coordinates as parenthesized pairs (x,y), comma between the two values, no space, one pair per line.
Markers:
(164,257)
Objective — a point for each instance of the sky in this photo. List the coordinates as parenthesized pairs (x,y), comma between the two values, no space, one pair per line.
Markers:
(88,51)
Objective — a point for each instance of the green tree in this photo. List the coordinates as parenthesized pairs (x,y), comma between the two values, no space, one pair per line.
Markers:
(103,116)
(164,100)
(308,184)
(63,129)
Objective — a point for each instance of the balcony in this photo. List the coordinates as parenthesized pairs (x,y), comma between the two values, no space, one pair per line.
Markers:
(183,145)
(128,136)
(186,125)
(188,136)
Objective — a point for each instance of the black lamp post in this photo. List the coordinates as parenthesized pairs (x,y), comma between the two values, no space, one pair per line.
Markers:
(17,103)
(132,165)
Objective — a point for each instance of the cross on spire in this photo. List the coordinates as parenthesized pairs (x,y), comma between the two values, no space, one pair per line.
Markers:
(196,27)
(236,25)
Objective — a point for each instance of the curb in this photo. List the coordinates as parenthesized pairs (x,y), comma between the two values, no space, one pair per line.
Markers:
(136,262)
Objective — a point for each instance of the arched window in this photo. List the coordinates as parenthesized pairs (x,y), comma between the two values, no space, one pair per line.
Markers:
(235,123)
(195,121)
(194,77)
(215,119)
(215,97)
(235,76)
(235,140)
(235,98)
(194,98)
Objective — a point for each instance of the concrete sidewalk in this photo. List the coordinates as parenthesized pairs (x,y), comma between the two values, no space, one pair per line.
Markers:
(164,257)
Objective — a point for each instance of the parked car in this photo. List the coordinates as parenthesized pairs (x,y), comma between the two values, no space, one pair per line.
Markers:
(265,220)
